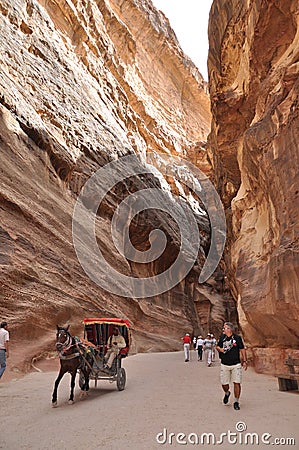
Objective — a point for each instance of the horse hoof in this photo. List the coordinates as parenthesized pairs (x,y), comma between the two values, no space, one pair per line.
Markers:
(54,404)
(71,402)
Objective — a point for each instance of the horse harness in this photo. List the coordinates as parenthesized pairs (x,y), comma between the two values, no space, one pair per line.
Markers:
(66,346)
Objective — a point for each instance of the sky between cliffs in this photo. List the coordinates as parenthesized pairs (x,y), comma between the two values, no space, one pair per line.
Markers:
(189,20)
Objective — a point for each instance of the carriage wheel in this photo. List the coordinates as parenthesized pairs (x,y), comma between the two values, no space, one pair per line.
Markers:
(121,379)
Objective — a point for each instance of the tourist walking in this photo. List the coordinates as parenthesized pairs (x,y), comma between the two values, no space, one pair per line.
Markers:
(199,347)
(194,342)
(233,357)
(208,347)
(213,347)
(187,342)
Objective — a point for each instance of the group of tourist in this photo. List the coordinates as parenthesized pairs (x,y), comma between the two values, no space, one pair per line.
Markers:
(232,355)
(204,346)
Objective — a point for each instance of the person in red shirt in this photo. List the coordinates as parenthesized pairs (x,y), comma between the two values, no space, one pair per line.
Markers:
(187,342)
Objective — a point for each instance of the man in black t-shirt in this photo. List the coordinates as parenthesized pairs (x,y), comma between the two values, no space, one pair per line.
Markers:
(233,356)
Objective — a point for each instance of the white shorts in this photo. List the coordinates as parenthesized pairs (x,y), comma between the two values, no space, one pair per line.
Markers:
(230,374)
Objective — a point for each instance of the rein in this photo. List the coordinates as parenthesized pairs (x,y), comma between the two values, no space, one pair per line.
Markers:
(71,356)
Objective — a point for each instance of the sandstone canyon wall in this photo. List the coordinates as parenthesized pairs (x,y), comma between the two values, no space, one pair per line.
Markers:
(84,83)
(254,84)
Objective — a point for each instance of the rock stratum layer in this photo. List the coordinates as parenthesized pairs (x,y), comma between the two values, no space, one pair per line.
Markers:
(84,83)
(254,83)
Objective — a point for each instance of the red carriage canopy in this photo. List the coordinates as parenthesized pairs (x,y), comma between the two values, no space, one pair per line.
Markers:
(112,321)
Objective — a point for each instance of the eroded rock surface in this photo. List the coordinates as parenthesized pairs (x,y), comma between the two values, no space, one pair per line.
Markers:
(84,83)
(254,85)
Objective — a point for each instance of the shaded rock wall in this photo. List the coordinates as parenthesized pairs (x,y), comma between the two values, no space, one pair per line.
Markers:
(254,85)
(83,83)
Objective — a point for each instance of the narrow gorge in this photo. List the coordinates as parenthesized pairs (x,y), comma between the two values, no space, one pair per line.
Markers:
(84,83)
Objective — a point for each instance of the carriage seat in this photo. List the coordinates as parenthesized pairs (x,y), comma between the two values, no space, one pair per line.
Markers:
(123,353)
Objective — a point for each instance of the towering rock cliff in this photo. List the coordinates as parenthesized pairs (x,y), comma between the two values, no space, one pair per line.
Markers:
(254,83)
(84,82)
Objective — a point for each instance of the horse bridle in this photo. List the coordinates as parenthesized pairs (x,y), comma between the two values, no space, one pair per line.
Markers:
(67,344)
(63,347)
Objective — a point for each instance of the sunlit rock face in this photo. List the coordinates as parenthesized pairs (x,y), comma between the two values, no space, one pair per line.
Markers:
(84,83)
(253,69)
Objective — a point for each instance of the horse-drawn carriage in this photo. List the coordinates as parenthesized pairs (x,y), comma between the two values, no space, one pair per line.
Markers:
(89,356)
(97,332)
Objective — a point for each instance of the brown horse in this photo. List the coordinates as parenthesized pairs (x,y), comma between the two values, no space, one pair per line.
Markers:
(73,356)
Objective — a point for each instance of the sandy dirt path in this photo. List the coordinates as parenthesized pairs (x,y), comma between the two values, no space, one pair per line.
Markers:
(162,392)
